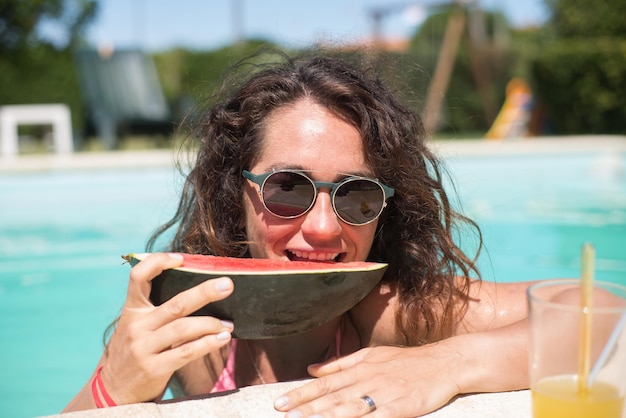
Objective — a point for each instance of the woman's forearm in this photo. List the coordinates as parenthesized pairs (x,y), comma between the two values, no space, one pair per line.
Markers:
(83,400)
(493,360)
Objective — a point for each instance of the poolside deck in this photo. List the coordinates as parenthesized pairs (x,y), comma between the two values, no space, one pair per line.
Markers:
(256,401)
(446,148)
(88,160)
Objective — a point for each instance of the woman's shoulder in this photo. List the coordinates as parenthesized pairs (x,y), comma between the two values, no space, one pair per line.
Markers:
(490,305)
(494,304)
(497,292)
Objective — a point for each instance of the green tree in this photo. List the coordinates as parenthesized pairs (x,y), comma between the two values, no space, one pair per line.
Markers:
(21,20)
(585,18)
(188,76)
(580,72)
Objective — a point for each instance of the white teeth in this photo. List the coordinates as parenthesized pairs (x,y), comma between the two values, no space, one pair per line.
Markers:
(315,256)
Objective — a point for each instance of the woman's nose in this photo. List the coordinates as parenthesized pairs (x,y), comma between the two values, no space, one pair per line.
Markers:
(321,220)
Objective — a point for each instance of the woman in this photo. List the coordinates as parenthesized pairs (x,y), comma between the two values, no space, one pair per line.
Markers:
(426,333)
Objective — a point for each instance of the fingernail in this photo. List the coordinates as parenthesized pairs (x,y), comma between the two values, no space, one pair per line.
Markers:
(222,336)
(281,402)
(227,324)
(294,414)
(175,256)
(223,284)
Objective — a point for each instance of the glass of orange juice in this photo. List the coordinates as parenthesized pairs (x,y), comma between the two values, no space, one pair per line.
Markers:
(577,354)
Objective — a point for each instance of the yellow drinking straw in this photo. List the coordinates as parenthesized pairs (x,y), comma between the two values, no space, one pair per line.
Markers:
(586,288)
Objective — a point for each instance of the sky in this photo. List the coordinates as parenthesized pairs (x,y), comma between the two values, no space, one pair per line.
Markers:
(208,24)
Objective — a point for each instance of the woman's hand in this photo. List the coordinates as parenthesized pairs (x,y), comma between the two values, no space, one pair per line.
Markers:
(412,381)
(150,343)
(402,382)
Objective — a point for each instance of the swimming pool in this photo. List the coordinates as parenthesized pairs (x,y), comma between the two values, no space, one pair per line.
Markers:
(62,232)
(536,211)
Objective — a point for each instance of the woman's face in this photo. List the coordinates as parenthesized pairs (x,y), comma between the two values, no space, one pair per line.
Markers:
(305,136)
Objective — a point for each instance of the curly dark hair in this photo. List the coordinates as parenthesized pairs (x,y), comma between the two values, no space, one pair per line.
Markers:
(415,232)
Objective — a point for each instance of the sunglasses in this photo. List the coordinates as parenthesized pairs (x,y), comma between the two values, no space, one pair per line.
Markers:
(289,194)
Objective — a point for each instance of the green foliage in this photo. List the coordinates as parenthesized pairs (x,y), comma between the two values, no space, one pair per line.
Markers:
(32,69)
(20,21)
(580,72)
(582,83)
(40,75)
(188,77)
(585,18)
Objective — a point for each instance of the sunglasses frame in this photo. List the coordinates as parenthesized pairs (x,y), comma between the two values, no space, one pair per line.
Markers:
(260,180)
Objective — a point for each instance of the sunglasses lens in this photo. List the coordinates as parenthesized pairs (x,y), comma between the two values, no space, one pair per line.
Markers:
(288,194)
(359,201)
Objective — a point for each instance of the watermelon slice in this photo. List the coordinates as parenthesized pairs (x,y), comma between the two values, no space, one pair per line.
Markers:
(272,298)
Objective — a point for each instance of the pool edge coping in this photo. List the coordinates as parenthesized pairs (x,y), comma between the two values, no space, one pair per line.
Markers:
(444,148)
(257,401)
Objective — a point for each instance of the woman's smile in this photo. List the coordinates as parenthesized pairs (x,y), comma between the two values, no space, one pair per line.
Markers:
(313,256)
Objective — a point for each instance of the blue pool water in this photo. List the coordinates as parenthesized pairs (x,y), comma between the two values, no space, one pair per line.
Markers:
(536,212)
(62,280)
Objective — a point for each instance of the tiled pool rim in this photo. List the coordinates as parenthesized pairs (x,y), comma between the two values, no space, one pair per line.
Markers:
(257,401)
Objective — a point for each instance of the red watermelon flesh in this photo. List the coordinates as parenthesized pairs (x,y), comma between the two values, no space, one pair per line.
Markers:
(215,264)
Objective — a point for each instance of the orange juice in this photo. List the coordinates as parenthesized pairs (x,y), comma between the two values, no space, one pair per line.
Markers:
(558,396)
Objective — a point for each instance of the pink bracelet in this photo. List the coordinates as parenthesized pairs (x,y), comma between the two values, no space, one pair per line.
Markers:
(98,385)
